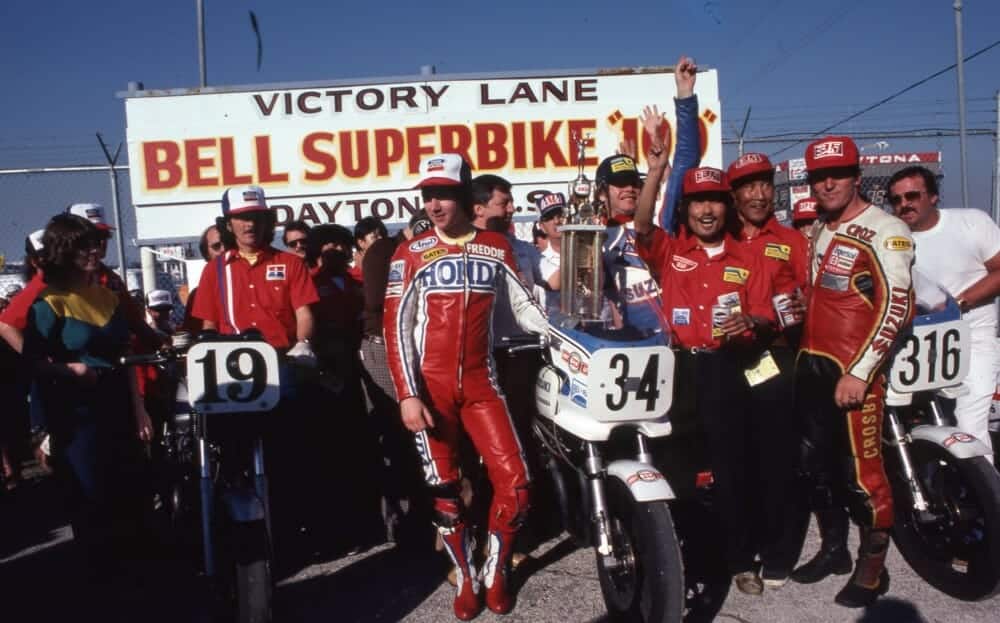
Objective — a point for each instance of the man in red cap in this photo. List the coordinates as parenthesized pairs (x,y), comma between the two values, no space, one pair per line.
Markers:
(859,301)
(443,286)
(804,214)
(717,299)
(780,521)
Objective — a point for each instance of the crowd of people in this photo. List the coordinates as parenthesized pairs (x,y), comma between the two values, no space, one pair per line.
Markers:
(785,334)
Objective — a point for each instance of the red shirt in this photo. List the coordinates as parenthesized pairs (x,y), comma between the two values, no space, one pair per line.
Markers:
(782,252)
(355,272)
(263,296)
(692,283)
(16,314)
(340,302)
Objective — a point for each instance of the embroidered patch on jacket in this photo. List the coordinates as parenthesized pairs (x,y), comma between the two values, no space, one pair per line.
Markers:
(275,272)
(733,274)
(777,251)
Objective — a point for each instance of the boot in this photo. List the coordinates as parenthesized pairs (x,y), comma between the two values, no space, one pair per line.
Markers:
(458,543)
(496,572)
(870,578)
(832,557)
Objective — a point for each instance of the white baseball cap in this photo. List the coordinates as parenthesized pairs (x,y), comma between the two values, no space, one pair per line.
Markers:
(93,212)
(159,298)
(444,170)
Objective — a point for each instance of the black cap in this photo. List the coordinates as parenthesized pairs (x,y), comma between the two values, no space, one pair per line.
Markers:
(617,170)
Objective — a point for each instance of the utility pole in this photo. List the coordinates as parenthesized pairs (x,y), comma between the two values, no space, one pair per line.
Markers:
(202,70)
(743,130)
(119,241)
(961,101)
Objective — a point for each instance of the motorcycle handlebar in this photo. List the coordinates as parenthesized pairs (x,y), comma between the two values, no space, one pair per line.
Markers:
(163,356)
(521,343)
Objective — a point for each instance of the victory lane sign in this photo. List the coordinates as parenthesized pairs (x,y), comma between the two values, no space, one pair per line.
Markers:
(343,152)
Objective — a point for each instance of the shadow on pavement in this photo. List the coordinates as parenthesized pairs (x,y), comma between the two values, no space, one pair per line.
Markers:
(890,610)
(385,586)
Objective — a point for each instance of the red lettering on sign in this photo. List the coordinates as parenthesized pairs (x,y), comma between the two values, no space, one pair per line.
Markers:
(389,148)
(161,163)
(491,152)
(227,153)
(313,154)
(196,162)
(262,148)
(415,150)
(354,165)
(456,139)
(545,145)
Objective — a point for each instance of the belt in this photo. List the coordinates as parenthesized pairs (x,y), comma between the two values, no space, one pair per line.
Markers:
(375,339)
(698,350)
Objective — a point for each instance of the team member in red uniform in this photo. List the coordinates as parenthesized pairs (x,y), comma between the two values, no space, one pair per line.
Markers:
(255,286)
(704,274)
(804,214)
(442,288)
(859,299)
(780,519)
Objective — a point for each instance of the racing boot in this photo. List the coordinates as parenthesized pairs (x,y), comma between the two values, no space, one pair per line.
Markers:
(870,578)
(497,571)
(458,543)
(832,557)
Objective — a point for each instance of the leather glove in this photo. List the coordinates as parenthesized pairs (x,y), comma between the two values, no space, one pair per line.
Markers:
(302,355)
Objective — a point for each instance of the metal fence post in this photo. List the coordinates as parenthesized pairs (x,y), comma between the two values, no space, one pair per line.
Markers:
(119,239)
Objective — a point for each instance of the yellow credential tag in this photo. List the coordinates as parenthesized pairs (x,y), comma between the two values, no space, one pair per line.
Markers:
(765,369)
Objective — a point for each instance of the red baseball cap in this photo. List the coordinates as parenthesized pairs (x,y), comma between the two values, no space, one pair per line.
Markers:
(749,164)
(705,180)
(805,209)
(832,152)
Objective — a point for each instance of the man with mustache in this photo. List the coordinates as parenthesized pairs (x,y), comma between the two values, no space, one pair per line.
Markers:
(959,250)
(858,302)
(717,298)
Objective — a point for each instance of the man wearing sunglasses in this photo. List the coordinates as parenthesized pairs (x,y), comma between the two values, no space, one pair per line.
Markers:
(959,250)
(859,301)
(296,237)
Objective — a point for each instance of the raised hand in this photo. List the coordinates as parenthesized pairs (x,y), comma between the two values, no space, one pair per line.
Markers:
(685,73)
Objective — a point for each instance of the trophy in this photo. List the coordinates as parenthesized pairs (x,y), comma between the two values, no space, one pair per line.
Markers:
(582,276)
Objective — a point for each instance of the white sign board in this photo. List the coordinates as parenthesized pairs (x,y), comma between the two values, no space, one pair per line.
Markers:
(339,153)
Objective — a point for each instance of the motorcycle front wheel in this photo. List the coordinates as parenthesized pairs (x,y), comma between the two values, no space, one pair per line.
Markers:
(956,547)
(644,580)
(252,574)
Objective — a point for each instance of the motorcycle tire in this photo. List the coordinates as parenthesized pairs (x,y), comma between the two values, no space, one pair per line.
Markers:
(252,575)
(647,582)
(958,554)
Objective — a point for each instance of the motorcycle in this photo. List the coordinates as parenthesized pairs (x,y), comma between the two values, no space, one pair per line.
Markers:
(231,384)
(946,491)
(601,396)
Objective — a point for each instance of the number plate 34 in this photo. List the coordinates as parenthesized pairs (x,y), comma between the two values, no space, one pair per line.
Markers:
(630,384)
(228,377)
(931,357)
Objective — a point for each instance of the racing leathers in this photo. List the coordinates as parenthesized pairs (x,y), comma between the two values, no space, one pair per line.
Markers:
(858,301)
(438,332)
(630,286)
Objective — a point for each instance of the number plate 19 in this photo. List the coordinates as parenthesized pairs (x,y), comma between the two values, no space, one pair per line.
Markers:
(932,357)
(630,383)
(228,377)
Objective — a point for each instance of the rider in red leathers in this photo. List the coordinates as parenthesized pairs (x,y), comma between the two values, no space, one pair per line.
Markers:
(859,300)
(439,303)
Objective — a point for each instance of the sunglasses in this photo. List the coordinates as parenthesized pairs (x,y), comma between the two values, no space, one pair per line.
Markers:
(910,195)
(294,244)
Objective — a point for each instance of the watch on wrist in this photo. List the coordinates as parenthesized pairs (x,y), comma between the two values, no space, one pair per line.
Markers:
(963,305)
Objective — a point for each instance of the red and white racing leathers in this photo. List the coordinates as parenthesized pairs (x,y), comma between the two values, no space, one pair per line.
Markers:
(859,300)
(438,333)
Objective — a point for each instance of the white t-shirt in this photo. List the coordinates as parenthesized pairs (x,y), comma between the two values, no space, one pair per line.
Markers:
(548,264)
(954,252)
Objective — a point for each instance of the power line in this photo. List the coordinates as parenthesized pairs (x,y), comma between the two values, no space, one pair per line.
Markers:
(893,96)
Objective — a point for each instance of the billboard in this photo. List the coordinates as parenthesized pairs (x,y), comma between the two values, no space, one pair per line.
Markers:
(342,151)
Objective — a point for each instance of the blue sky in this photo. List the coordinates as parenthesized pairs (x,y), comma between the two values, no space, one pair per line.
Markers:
(801,65)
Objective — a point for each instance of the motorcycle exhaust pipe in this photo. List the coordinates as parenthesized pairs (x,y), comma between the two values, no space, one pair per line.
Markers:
(207,506)
(594,466)
(562,494)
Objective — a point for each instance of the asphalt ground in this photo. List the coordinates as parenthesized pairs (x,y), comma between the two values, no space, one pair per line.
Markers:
(41,580)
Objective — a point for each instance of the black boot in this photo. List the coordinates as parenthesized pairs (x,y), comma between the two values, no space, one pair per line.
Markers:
(871,578)
(832,557)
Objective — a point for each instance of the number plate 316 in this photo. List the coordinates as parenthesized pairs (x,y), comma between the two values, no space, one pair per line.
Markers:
(228,377)
(931,357)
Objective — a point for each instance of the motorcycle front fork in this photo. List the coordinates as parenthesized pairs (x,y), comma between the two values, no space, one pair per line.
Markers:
(207,486)
(596,474)
(900,439)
